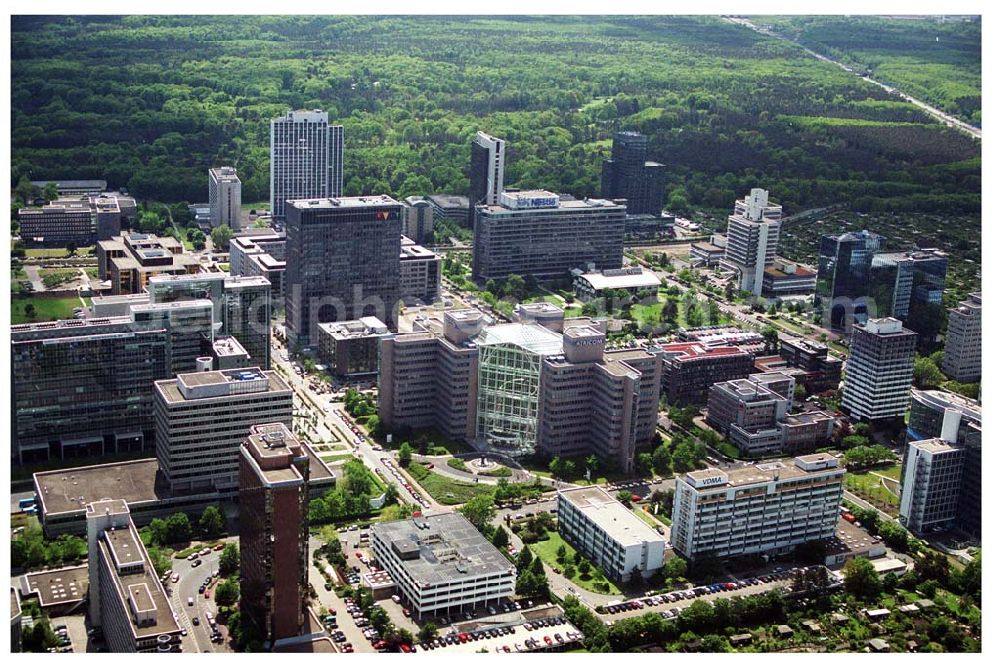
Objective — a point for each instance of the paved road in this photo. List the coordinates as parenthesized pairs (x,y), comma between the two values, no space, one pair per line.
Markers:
(36,279)
(191,578)
(936,113)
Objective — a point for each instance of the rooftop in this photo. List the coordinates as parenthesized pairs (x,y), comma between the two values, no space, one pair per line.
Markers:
(628,278)
(934,446)
(215,384)
(343,202)
(72,489)
(450,201)
(442,548)
(690,350)
(57,587)
(529,336)
(620,523)
(365,326)
(771,471)
(274,449)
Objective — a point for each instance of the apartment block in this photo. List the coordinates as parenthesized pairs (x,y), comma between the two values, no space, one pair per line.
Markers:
(274,532)
(762,509)
(343,263)
(127,600)
(202,419)
(879,370)
(351,348)
(609,534)
(963,346)
(690,369)
(535,232)
(442,564)
(307,158)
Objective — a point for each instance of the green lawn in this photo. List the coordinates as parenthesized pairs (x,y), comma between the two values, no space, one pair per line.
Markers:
(46,308)
(47,252)
(547,551)
(444,490)
(648,518)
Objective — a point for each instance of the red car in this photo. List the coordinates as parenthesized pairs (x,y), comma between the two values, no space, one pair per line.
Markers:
(332,611)
(548,640)
(406,612)
(405,648)
(358,554)
(207,594)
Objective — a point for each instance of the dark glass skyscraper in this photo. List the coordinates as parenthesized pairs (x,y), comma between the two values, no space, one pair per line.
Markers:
(343,262)
(485,172)
(630,176)
(844,271)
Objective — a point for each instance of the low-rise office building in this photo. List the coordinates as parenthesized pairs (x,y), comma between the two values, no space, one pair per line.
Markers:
(785,278)
(762,509)
(127,600)
(708,254)
(454,208)
(128,261)
(202,419)
(57,224)
(690,369)
(419,273)
(442,564)
(351,348)
(723,335)
(609,534)
(821,370)
(755,414)
(634,279)
(75,187)
(536,232)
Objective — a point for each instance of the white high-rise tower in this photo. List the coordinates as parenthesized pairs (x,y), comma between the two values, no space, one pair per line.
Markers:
(307,158)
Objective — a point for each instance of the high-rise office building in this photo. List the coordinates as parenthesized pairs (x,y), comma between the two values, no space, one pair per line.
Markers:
(879,370)
(629,175)
(127,600)
(246,316)
(343,263)
(202,419)
(419,273)
(752,240)
(690,369)
(761,509)
(225,198)
(485,172)
(307,158)
(963,346)
(536,232)
(899,281)
(521,388)
(274,532)
(843,282)
(83,388)
(945,434)
(260,254)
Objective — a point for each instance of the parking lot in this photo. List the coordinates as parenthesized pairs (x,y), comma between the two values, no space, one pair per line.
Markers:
(673,603)
(548,634)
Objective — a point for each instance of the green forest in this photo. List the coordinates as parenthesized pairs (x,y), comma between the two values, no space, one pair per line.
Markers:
(935,60)
(150,103)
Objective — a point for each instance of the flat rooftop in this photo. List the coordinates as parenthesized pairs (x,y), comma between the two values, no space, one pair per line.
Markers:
(57,587)
(621,279)
(619,522)
(934,446)
(72,489)
(692,350)
(445,547)
(849,539)
(141,590)
(450,201)
(365,326)
(216,384)
(770,471)
(343,202)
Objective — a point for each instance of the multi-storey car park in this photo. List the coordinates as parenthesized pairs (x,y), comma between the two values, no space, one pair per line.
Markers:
(442,564)
(760,509)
